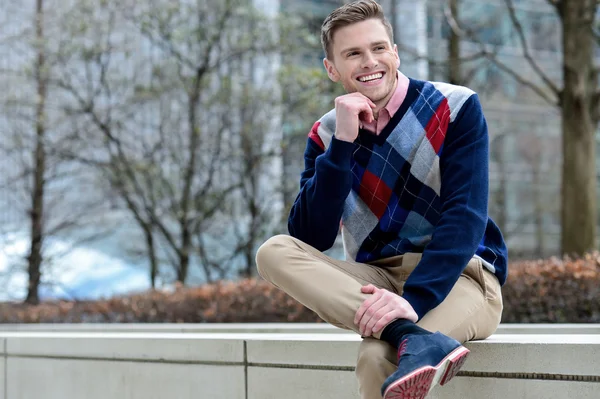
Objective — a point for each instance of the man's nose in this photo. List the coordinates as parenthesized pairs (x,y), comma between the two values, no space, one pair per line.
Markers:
(369,61)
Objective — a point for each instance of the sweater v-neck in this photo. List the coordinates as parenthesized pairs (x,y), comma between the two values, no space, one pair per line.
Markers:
(366,136)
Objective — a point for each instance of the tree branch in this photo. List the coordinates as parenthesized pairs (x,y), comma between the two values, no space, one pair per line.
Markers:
(515,75)
(521,33)
(216,37)
(494,58)
(165,42)
(421,57)
(120,159)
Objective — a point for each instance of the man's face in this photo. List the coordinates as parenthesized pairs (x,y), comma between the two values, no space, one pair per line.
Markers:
(363,60)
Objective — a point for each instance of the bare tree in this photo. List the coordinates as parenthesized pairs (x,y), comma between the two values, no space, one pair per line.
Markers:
(160,131)
(38,187)
(307,96)
(454,64)
(255,201)
(37,200)
(578,100)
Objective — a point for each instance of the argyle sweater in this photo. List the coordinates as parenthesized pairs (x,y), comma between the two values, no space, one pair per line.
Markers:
(421,185)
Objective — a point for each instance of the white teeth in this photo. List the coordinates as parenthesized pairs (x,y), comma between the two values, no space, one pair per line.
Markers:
(371,77)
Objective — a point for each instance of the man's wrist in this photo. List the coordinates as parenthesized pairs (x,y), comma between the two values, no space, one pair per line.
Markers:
(343,137)
(340,152)
(414,303)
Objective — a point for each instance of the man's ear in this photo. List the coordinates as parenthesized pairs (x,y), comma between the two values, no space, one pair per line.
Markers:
(331,71)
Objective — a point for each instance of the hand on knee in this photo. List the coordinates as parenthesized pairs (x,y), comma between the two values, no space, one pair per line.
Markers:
(380,309)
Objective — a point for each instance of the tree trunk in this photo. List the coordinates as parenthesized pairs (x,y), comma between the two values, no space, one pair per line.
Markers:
(190,172)
(184,264)
(285,176)
(37,195)
(454,70)
(578,215)
(254,225)
(538,203)
(151,255)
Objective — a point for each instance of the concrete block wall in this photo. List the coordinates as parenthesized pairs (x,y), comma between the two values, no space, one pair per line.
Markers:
(148,365)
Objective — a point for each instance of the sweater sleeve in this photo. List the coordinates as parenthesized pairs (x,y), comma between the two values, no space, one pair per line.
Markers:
(464,198)
(324,186)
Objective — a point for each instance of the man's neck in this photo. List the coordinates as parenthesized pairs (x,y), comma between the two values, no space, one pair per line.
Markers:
(384,101)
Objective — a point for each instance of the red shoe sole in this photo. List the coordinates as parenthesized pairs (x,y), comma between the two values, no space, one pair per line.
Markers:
(417,384)
(454,364)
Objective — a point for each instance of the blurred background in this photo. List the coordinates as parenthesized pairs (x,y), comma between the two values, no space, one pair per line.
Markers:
(157,143)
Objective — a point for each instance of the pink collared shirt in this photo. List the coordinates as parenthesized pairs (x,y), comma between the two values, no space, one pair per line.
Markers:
(387,112)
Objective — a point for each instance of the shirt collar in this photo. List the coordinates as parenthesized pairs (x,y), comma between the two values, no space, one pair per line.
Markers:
(393,105)
(399,95)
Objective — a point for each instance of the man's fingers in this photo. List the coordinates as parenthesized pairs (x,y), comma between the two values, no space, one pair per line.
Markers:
(368,289)
(373,314)
(365,305)
(381,308)
(370,115)
(362,96)
(362,99)
(370,316)
(370,102)
(367,111)
(361,104)
(382,318)
(386,319)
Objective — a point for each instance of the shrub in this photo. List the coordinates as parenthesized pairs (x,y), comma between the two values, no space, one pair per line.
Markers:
(245,301)
(553,291)
(542,291)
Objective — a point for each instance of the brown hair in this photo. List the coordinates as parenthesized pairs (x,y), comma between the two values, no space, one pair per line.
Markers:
(348,14)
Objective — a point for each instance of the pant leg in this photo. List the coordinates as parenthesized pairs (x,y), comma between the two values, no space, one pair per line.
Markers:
(329,287)
(472,310)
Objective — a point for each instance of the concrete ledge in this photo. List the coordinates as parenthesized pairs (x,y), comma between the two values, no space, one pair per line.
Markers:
(96,365)
(309,328)
(189,348)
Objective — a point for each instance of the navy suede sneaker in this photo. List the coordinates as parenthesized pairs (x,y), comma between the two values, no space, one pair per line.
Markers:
(423,362)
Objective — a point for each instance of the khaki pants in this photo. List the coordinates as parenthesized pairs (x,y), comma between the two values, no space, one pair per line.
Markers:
(331,288)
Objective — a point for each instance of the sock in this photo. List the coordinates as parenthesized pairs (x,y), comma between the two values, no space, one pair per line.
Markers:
(396,330)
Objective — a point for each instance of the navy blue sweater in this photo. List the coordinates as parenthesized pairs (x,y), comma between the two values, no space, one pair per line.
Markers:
(421,185)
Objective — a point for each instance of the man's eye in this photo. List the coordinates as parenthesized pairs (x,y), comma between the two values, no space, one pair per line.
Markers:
(380,48)
(350,54)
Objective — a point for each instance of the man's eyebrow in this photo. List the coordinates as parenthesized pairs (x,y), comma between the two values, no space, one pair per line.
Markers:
(357,48)
(379,43)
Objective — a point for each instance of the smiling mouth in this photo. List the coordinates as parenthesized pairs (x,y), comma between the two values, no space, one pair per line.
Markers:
(371,78)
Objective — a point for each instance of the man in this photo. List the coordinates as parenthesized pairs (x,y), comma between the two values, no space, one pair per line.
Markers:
(402,166)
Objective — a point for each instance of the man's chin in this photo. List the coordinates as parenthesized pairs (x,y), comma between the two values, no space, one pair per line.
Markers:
(375,97)
(371,96)
(366,93)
